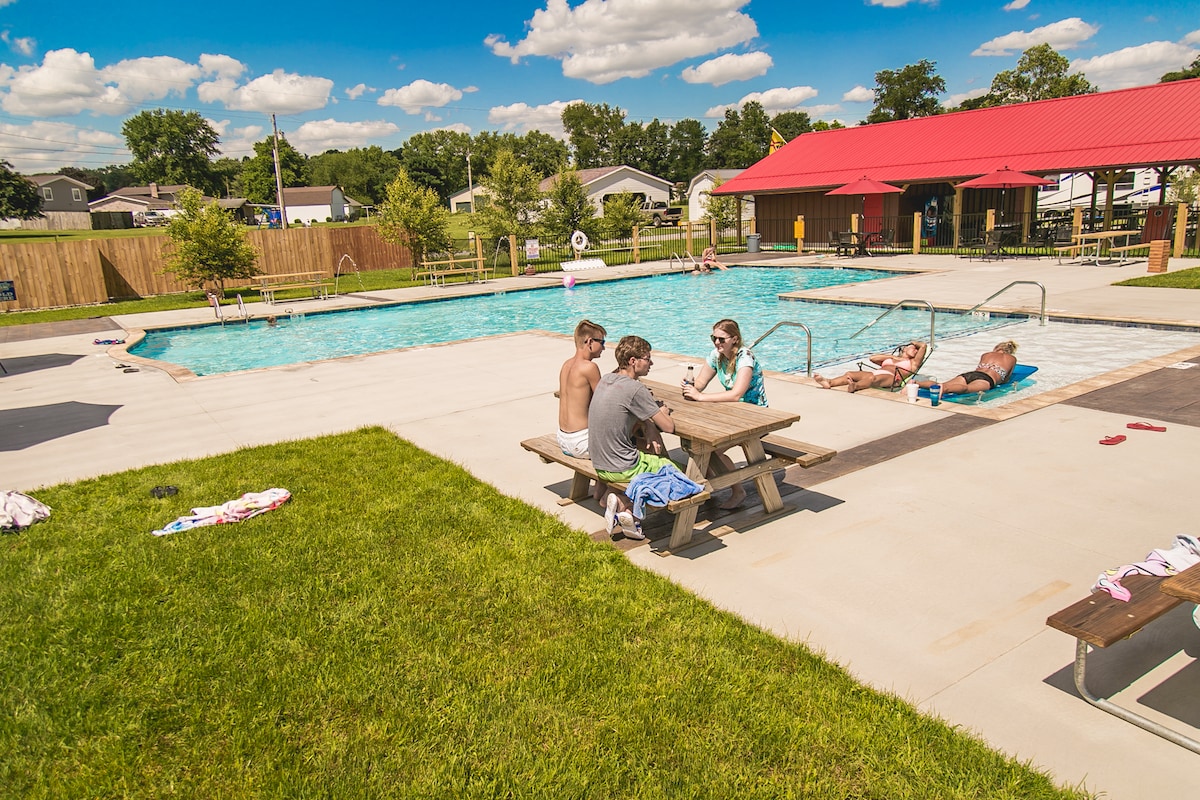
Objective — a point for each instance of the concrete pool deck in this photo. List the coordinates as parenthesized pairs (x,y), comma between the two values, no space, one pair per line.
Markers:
(924,559)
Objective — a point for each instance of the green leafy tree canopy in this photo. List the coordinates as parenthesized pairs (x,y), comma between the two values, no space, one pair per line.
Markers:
(19,198)
(515,201)
(570,209)
(1192,71)
(206,244)
(258,174)
(1042,73)
(172,147)
(721,208)
(363,172)
(907,93)
(413,216)
(622,212)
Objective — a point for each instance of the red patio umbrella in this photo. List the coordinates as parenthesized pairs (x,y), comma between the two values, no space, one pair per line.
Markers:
(1004,179)
(865,186)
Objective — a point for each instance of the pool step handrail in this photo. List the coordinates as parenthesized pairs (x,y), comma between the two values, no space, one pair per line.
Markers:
(902,304)
(1041,314)
(788,323)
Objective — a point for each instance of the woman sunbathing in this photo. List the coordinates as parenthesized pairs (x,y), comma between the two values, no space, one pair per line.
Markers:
(892,368)
(995,369)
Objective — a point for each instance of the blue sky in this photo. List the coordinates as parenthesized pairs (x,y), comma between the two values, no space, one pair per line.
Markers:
(374,73)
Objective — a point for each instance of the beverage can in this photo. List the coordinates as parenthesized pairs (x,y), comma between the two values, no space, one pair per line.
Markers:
(911,390)
(935,394)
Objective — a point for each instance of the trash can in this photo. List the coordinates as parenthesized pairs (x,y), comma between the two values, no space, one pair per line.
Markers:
(752,242)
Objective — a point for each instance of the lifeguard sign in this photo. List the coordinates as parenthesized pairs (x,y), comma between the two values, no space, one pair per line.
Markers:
(8,291)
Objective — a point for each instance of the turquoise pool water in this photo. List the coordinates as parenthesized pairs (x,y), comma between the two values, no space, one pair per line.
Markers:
(674,312)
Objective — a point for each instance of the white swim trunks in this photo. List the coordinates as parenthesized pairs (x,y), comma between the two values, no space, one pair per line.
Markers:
(574,444)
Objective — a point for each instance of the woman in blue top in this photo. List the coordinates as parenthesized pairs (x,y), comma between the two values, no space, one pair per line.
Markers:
(738,372)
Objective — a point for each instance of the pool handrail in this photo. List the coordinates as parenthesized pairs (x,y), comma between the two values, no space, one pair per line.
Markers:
(1041,314)
(901,304)
(788,323)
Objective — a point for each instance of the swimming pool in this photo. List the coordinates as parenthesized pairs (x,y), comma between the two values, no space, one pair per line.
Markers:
(674,312)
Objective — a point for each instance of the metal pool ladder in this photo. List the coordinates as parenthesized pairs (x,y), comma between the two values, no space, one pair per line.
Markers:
(901,304)
(787,323)
(1041,314)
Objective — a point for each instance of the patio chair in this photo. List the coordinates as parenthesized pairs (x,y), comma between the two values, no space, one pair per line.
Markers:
(902,376)
(886,239)
(845,243)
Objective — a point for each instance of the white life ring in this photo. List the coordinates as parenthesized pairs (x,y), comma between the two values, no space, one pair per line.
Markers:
(579,240)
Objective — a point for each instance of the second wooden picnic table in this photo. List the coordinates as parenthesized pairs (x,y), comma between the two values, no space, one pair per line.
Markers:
(708,428)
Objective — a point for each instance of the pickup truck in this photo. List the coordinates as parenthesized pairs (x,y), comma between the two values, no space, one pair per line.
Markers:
(662,214)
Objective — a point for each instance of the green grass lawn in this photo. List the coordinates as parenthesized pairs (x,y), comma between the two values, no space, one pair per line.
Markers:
(1180,279)
(400,629)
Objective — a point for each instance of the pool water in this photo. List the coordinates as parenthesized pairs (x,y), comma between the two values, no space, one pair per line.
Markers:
(674,312)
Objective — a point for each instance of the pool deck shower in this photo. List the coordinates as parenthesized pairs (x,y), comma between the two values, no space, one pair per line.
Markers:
(924,558)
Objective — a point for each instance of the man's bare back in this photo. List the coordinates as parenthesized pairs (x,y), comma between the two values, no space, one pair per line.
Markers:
(576,381)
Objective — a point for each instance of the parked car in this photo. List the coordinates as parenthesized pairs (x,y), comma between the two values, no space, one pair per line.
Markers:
(150,219)
(662,214)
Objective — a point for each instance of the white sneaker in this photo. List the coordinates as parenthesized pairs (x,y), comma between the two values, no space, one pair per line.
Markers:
(610,514)
(630,526)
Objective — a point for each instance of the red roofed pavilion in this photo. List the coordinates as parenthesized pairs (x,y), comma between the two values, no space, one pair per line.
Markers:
(1105,133)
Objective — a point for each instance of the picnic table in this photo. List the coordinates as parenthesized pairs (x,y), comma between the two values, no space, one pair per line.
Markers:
(1185,585)
(708,428)
(315,281)
(1096,240)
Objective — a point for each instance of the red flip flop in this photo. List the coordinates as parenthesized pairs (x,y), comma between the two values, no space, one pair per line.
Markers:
(1145,426)
(1113,439)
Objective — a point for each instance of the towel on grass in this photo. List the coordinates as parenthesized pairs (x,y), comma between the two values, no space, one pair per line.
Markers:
(251,504)
(659,488)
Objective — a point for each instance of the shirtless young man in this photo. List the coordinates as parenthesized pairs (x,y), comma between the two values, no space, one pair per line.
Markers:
(576,382)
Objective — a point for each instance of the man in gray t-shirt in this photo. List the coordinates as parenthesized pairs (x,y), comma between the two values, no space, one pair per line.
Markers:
(620,403)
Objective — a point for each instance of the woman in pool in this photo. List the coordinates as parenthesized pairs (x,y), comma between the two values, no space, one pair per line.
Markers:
(995,369)
(890,368)
(741,378)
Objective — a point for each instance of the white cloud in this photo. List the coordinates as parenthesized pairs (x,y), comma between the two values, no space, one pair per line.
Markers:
(330,134)
(957,99)
(730,67)
(44,146)
(601,41)
(859,94)
(1016,5)
(457,127)
(1066,34)
(236,142)
(1192,38)
(19,44)
(65,83)
(523,118)
(1135,66)
(151,78)
(421,94)
(221,66)
(278,93)
(356,92)
(4,3)
(898,3)
(773,101)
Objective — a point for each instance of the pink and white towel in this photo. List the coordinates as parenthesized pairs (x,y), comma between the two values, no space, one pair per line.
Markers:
(248,505)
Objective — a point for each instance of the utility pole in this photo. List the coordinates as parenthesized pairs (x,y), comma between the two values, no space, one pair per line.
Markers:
(278,177)
(470,182)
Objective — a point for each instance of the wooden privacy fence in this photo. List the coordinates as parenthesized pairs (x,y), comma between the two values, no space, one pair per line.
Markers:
(89,271)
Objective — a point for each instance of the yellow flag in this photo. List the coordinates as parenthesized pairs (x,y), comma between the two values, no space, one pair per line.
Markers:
(777,142)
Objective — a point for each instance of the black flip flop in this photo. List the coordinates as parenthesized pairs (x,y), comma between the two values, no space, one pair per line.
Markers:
(164,491)
(131,369)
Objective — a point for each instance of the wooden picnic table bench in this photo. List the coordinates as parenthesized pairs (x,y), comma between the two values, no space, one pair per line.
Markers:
(314,281)
(435,271)
(1100,620)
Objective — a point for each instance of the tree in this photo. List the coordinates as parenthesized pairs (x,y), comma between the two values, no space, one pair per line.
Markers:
(1192,71)
(907,93)
(228,172)
(1042,73)
(206,244)
(740,139)
(438,160)
(791,124)
(570,209)
(592,130)
(363,172)
(1183,187)
(514,199)
(685,150)
(544,154)
(822,125)
(621,212)
(172,147)
(19,198)
(258,173)
(414,216)
(721,208)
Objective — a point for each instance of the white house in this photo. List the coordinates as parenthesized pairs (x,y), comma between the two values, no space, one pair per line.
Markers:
(460,202)
(314,203)
(702,184)
(600,183)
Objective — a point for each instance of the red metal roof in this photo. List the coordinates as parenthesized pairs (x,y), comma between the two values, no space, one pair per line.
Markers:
(1144,126)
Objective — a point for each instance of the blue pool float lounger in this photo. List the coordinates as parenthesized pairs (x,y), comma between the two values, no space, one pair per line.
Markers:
(1019,374)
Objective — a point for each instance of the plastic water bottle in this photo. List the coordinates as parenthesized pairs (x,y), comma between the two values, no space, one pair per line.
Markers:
(690,378)
(911,389)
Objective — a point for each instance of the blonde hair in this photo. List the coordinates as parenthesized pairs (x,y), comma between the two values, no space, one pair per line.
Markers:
(731,329)
(1009,347)
(588,330)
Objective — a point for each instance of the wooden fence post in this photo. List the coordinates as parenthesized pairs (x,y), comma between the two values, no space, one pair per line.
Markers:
(637,255)
(512,254)
(1181,218)
(917,215)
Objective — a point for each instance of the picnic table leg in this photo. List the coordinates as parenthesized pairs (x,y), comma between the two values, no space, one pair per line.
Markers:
(681,531)
(765,483)
(580,484)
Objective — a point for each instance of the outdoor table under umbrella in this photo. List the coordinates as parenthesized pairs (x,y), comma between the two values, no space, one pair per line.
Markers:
(865,186)
(1002,179)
